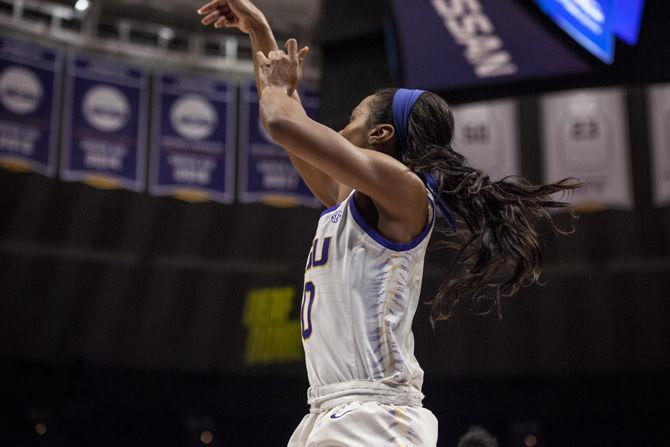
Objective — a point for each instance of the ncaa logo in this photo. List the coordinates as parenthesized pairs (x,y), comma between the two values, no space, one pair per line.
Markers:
(106,108)
(20,90)
(336,216)
(193,117)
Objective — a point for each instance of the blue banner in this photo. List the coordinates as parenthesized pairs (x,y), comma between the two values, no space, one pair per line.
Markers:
(105,122)
(448,44)
(265,170)
(627,20)
(595,23)
(193,144)
(29,86)
(589,22)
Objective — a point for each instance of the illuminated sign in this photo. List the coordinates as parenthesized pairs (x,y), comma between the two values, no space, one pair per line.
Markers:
(595,23)
(273,336)
(627,20)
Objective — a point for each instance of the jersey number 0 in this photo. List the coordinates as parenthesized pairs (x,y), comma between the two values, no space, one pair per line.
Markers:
(306,309)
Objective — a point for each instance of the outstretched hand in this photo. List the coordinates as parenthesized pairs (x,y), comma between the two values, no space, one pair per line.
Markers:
(282,69)
(239,14)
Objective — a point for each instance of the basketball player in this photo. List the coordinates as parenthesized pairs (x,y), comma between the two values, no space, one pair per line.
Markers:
(384,177)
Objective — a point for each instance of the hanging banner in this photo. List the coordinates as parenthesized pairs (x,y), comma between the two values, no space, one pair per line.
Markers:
(448,44)
(265,171)
(104,129)
(29,86)
(659,113)
(193,144)
(487,135)
(586,136)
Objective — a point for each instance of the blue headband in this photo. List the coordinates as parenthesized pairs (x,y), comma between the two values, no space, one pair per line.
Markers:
(403,103)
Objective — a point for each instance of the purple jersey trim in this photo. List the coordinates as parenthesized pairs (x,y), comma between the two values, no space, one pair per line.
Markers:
(381,240)
(330,210)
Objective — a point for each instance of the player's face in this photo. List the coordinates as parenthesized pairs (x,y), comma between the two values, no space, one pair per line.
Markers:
(357,131)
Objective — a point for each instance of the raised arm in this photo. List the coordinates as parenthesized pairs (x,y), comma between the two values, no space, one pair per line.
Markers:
(245,16)
(398,194)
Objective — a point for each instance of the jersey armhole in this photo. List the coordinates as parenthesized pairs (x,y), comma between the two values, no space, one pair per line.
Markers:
(380,239)
(334,207)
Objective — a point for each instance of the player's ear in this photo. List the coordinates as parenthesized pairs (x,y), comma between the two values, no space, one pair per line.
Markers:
(381,135)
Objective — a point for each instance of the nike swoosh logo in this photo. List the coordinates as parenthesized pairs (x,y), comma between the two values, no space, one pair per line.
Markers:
(337,416)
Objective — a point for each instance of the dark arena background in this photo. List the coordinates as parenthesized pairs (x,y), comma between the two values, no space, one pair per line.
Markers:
(153,240)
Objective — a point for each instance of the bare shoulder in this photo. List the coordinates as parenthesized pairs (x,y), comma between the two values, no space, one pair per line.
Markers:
(407,218)
(344,191)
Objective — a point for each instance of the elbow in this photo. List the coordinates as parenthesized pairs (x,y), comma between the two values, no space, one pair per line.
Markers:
(274,124)
(278,114)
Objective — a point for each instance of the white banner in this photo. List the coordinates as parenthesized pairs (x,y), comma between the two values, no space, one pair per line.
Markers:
(487,135)
(659,113)
(585,135)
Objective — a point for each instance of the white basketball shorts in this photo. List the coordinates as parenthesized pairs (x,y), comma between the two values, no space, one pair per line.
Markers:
(367,424)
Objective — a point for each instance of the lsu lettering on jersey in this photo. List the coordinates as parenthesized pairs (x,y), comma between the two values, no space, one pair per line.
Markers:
(361,293)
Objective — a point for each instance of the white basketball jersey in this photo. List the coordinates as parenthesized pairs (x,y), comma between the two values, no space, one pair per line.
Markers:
(361,293)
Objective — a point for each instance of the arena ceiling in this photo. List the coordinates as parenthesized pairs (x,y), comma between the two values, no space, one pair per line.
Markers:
(146,28)
(288,17)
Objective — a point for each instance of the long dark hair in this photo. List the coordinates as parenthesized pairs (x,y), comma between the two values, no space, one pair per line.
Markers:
(498,250)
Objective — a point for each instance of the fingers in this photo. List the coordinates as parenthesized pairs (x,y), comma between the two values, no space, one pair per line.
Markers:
(262,59)
(209,7)
(211,18)
(218,13)
(276,55)
(291,47)
(302,53)
(228,13)
(228,19)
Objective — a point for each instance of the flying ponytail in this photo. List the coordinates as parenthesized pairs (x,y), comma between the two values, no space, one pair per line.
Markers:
(498,248)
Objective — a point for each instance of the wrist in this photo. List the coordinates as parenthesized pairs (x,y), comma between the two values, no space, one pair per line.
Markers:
(258,25)
(275,89)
